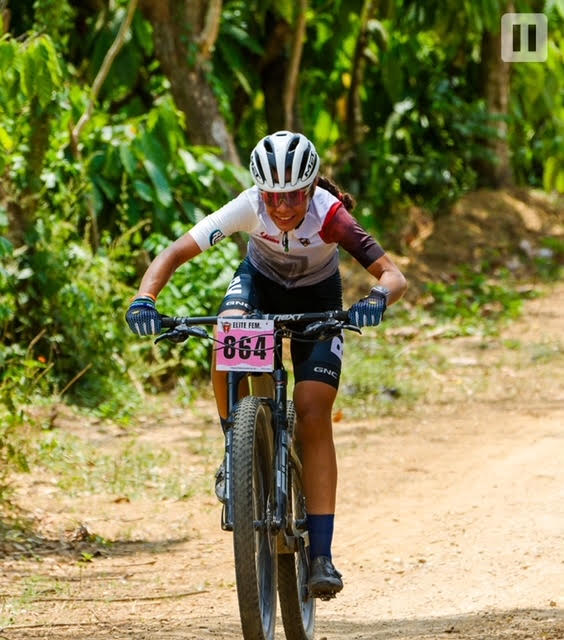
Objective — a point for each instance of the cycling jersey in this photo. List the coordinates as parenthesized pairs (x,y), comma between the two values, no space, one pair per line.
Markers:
(303,256)
(250,290)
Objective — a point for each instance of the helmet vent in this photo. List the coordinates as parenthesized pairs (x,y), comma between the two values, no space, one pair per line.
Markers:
(258,167)
(294,142)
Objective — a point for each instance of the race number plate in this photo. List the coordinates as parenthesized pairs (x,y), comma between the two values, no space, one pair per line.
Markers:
(248,345)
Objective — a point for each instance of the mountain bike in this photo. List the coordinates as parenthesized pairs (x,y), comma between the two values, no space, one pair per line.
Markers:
(264,503)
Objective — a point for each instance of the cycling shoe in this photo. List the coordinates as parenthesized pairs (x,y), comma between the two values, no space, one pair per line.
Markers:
(324,580)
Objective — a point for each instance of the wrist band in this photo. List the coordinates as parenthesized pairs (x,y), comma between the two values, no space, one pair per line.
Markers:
(143,295)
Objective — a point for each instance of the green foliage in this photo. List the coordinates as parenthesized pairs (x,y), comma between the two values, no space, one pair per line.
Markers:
(78,225)
(371,358)
(549,259)
(425,128)
(537,113)
(476,296)
(12,455)
(60,304)
(138,185)
(56,18)
(140,169)
(32,75)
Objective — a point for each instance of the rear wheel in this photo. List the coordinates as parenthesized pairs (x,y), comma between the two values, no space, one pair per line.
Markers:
(298,611)
(254,546)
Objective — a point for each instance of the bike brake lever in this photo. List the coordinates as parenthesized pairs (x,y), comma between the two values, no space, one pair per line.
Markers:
(174,335)
(351,327)
(182,333)
(320,327)
(198,332)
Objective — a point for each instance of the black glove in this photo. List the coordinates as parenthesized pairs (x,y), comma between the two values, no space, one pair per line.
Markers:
(369,311)
(142,317)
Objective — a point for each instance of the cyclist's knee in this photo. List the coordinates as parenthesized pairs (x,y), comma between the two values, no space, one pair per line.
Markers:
(309,413)
(314,403)
(314,398)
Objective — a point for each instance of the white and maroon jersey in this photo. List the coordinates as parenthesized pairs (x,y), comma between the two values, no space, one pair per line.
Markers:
(303,256)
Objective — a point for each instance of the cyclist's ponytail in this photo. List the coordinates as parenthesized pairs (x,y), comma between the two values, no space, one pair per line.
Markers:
(348,201)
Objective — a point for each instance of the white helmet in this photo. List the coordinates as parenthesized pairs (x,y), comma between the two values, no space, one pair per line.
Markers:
(284,161)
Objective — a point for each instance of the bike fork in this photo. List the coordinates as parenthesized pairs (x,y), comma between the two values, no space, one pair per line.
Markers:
(233,380)
(281,451)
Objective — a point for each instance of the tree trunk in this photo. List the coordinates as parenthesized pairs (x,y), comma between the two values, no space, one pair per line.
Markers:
(291,83)
(273,68)
(185,32)
(356,128)
(496,90)
(355,120)
(22,206)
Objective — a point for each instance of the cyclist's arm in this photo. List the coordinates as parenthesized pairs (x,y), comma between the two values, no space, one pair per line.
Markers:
(237,215)
(342,228)
(389,276)
(166,263)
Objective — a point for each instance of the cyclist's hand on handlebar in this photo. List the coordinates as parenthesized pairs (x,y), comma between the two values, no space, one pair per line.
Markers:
(369,311)
(142,317)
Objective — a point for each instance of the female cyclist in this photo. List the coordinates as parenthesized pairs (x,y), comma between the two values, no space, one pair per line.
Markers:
(296,220)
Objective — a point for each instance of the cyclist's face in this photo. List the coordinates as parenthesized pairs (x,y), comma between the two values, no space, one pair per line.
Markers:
(288,209)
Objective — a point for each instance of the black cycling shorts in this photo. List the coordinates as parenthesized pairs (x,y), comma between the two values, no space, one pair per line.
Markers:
(250,290)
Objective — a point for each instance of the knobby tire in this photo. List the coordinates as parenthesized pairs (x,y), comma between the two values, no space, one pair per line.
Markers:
(298,611)
(254,547)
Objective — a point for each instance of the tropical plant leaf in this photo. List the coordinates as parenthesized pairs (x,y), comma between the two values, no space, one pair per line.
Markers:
(162,187)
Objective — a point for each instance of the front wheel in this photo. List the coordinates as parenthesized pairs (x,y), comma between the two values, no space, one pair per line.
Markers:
(298,610)
(253,544)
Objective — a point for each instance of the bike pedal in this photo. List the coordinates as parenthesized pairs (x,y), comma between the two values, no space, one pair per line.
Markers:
(325,596)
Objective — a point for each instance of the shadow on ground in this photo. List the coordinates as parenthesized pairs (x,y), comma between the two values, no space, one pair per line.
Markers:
(516,624)
(19,539)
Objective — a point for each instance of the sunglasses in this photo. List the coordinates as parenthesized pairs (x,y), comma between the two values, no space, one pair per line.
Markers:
(291,198)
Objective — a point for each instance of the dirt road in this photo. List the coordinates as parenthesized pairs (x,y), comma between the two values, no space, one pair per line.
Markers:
(450,522)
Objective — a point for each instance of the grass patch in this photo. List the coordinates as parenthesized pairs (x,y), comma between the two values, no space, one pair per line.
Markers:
(545,352)
(408,359)
(131,470)
(31,589)
(386,376)
(477,297)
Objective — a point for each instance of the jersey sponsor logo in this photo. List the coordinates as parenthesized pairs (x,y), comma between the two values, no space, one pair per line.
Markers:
(237,303)
(216,236)
(337,346)
(234,286)
(265,235)
(305,241)
(327,372)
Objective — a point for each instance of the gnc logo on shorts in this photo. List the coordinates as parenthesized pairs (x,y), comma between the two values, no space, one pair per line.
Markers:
(325,371)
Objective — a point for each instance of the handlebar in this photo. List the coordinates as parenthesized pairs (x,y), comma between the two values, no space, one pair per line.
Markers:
(316,324)
(280,319)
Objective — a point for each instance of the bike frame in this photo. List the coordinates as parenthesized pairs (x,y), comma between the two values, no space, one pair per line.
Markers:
(277,405)
(278,513)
